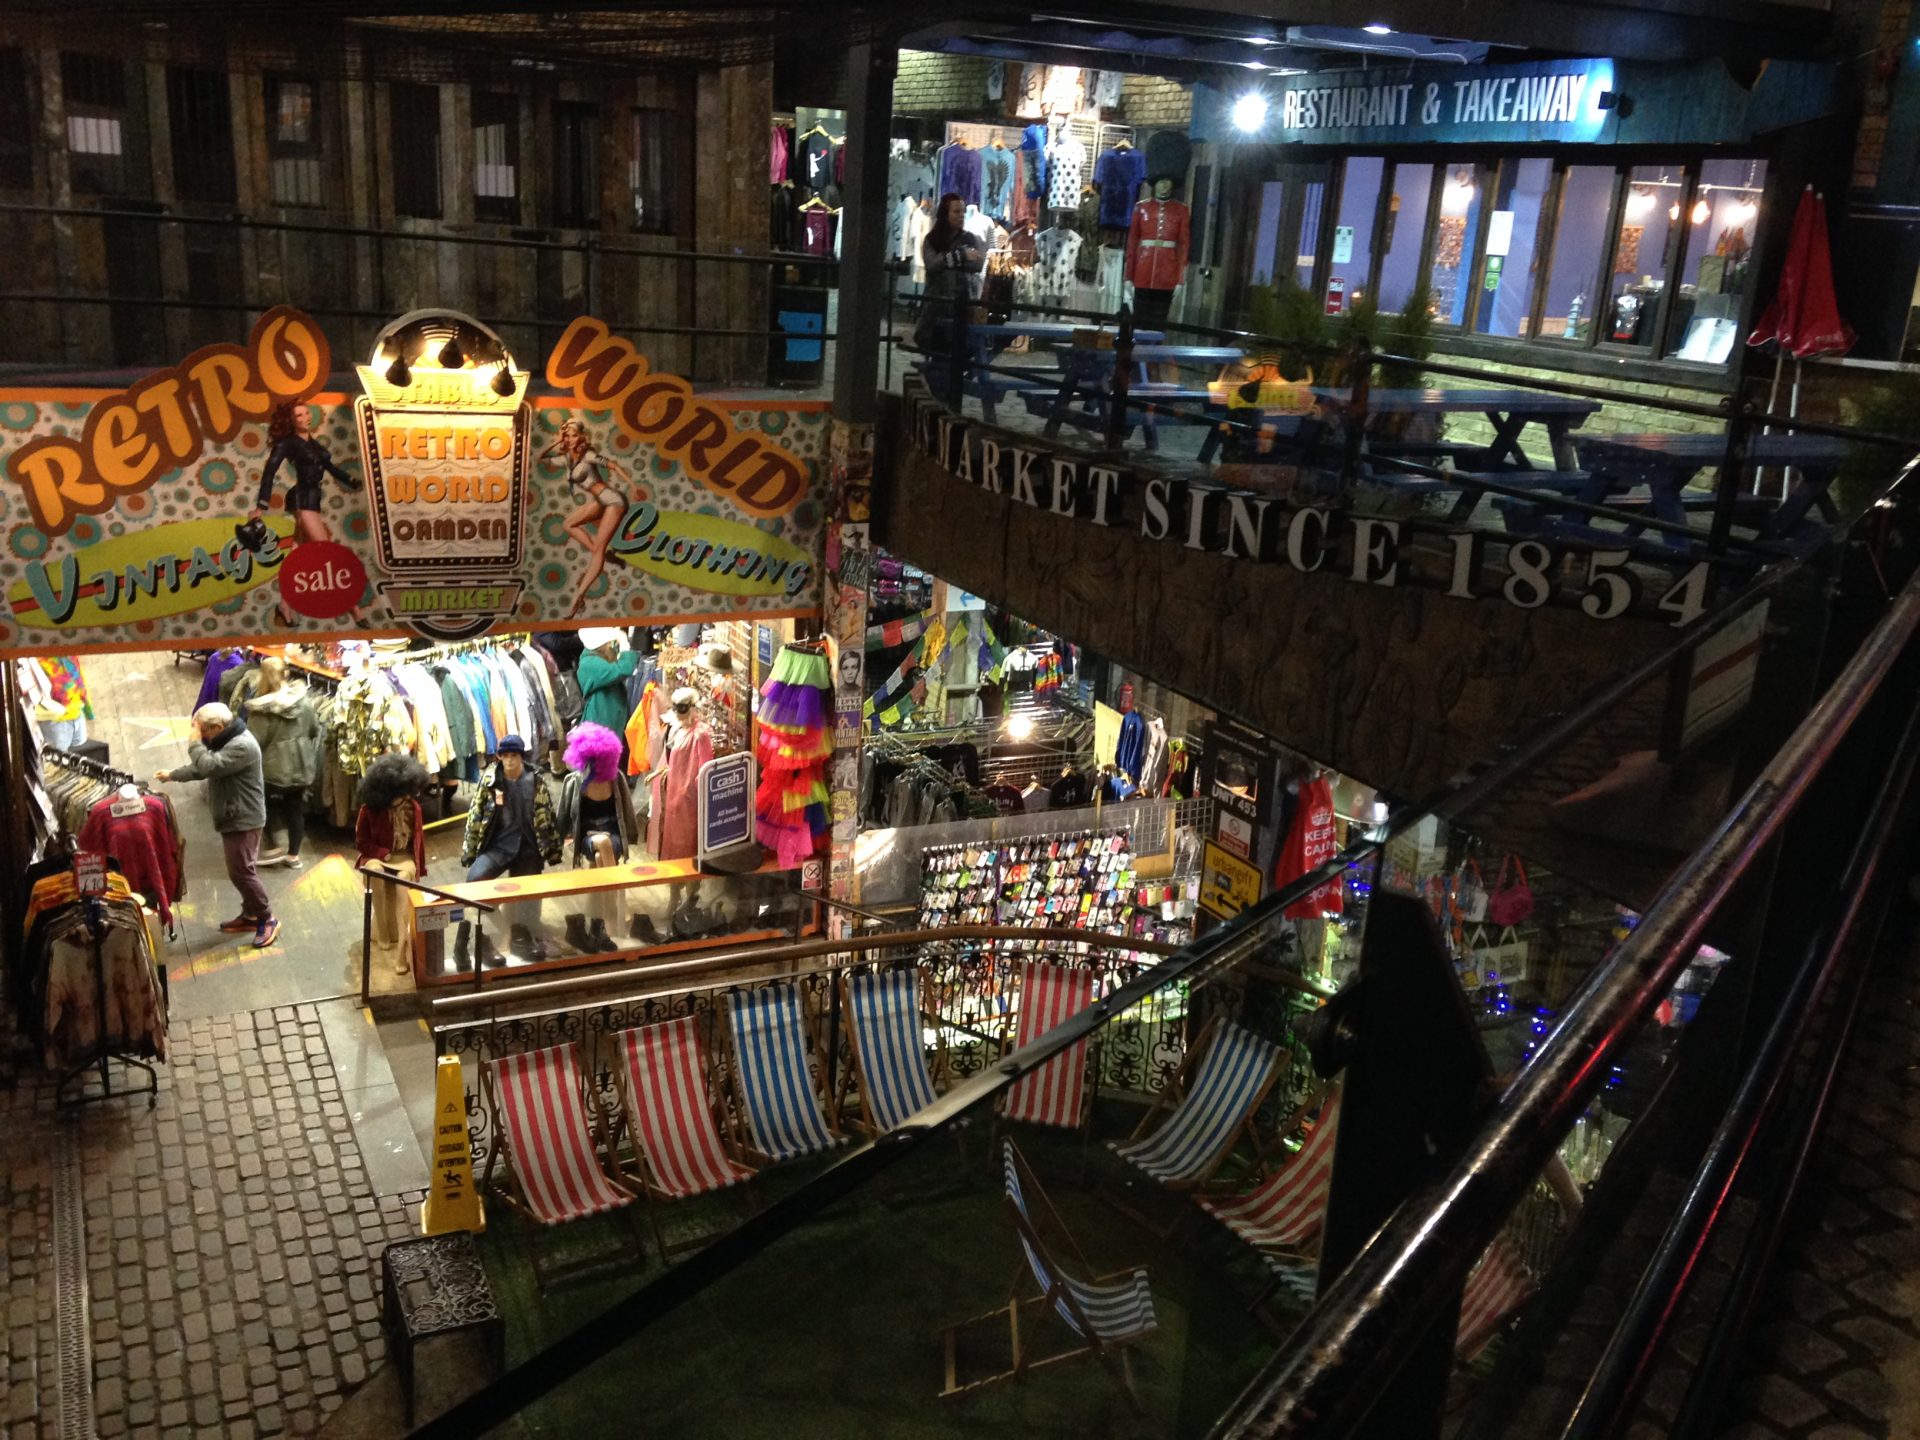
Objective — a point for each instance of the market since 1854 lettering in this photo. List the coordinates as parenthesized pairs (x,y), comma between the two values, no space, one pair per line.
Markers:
(1363,549)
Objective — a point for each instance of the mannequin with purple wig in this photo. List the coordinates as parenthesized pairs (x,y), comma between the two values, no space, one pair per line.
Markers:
(604,827)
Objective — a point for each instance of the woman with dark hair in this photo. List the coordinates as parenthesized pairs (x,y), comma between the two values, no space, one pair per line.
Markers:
(390,834)
(953,255)
(290,434)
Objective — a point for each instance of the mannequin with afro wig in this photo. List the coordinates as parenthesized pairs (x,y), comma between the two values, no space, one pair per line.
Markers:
(390,835)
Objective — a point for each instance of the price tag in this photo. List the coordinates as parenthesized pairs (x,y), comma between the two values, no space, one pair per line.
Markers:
(89,873)
(124,809)
(432,919)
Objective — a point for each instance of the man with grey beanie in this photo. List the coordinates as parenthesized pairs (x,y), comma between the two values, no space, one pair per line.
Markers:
(228,759)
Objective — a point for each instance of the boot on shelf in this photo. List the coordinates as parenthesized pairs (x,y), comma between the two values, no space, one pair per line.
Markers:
(577,935)
(462,946)
(644,930)
(520,944)
(485,955)
(602,941)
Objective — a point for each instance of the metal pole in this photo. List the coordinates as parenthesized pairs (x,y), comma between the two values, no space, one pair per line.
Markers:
(1359,397)
(366,940)
(1122,381)
(1727,491)
(957,352)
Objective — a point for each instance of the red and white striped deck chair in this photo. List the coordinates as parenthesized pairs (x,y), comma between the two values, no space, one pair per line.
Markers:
(1283,1216)
(663,1084)
(539,1101)
(1056,1093)
(1498,1286)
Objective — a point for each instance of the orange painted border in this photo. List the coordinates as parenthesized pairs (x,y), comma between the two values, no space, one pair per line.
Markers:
(509,624)
(52,394)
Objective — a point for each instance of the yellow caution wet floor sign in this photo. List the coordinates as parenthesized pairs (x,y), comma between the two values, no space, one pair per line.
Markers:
(452,1203)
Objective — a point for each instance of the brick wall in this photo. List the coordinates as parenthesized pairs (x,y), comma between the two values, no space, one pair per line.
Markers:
(930,84)
(1870,144)
(1149,100)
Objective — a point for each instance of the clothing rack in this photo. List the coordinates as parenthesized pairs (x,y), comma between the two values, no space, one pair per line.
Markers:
(381,660)
(81,765)
(96,930)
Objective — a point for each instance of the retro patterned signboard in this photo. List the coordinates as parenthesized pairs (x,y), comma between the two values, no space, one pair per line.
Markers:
(243,494)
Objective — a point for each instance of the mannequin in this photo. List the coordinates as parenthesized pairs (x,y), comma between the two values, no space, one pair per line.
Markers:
(1157,253)
(673,818)
(602,823)
(390,835)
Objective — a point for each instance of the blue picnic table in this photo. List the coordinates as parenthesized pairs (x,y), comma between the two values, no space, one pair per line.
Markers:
(1086,381)
(986,343)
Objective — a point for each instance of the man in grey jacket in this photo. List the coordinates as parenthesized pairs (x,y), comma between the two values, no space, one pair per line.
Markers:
(228,759)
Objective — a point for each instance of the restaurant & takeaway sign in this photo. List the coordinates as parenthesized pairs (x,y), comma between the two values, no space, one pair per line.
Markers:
(243,493)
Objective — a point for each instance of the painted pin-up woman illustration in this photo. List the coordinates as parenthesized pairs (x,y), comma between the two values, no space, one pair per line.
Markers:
(294,445)
(590,476)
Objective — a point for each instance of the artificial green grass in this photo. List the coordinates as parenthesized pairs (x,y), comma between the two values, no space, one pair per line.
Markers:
(833,1332)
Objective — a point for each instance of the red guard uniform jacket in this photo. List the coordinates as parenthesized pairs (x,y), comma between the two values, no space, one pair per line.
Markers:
(1157,245)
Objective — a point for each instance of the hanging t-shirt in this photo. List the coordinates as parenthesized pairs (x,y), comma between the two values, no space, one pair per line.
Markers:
(779,149)
(1118,175)
(817,230)
(1310,843)
(960,172)
(996,182)
(1033,144)
(1066,172)
(1055,252)
(816,161)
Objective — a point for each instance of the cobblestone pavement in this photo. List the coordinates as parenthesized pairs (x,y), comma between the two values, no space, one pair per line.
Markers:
(1835,1346)
(232,1240)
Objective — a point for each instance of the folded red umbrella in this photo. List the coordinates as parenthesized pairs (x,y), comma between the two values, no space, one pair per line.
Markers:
(1804,318)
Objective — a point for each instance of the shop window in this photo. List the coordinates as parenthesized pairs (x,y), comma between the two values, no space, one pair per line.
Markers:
(496,157)
(1719,230)
(1350,249)
(1455,241)
(1266,231)
(200,113)
(1313,201)
(414,134)
(1579,249)
(293,141)
(654,172)
(95,90)
(1656,199)
(1508,276)
(1405,231)
(576,171)
(16,154)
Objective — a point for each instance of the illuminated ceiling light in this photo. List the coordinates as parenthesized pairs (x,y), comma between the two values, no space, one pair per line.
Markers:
(1673,211)
(1019,727)
(397,373)
(1250,111)
(1253,64)
(1639,202)
(452,357)
(1701,210)
(1377,29)
(1745,212)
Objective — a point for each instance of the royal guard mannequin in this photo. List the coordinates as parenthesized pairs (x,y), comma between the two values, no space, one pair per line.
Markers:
(1157,244)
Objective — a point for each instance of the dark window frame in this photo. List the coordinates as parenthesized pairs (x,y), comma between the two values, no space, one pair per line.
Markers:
(418,188)
(502,111)
(94,88)
(199,110)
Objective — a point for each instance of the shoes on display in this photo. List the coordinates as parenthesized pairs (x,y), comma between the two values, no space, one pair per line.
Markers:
(520,941)
(239,925)
(602,941)
(485,955)
(462,941)
(266,933)
(577,935)
(644,930)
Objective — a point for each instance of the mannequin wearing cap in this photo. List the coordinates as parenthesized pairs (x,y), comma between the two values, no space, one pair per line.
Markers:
(511,830)
(603,670)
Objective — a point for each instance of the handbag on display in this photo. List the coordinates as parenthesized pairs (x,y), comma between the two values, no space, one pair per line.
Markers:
(1511,904)
(1471,889)
(1474,959)
(253,534)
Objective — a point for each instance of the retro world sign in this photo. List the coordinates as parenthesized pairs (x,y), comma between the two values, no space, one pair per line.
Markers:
(246,492)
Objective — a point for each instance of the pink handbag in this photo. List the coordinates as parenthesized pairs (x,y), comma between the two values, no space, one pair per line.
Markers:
(1511,904)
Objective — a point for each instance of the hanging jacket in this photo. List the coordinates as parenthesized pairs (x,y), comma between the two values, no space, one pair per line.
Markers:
(287,729)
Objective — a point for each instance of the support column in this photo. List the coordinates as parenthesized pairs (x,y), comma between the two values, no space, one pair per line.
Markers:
(863,236)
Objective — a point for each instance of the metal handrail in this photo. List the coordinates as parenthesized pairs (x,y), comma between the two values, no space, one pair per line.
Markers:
(1206,958)
(1336,1362)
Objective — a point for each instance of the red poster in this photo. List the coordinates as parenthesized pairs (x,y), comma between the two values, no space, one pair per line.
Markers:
(1310,843)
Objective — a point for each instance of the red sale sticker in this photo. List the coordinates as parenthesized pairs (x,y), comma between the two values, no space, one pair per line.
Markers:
(322,579)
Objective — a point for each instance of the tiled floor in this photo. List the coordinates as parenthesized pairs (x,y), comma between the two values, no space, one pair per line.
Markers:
(233,1228)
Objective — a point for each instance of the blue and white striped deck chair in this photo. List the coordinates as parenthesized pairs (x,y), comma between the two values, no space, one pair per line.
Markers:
(1231,1070)
(1106,1315)
(772,1065)
(889,1049)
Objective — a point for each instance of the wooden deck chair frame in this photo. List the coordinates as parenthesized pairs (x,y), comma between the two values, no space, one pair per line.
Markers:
(937,1068)
(1172,1094)
(513,1195)
(1305,1254)
(639,1176)
(1090,1081)
(1115,1356)
(814,1057)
